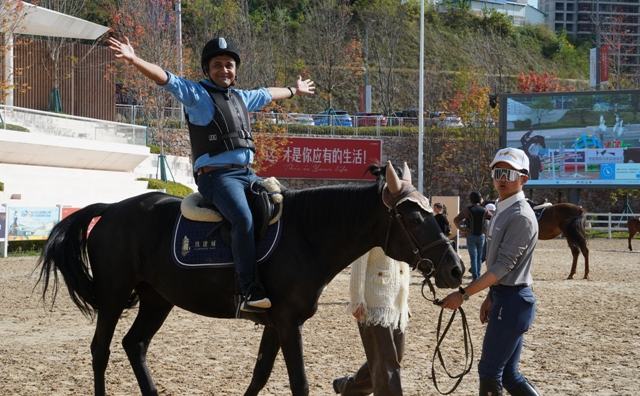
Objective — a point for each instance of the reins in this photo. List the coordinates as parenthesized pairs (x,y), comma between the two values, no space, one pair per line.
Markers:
(440,333)
(468,344)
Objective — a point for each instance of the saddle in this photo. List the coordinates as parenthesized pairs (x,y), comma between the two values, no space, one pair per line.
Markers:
(202,237)
(264,198)
(539,208)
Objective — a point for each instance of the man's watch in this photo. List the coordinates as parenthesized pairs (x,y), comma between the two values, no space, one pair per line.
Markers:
(463,292)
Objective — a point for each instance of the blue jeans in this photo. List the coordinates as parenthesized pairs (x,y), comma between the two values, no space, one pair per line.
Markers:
(225,188)
(512,312)
(475,245)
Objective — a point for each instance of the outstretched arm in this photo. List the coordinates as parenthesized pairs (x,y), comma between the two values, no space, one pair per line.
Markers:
(303,87)
(124,51)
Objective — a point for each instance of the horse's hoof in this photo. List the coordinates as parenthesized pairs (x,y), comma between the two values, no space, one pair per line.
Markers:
(570,277)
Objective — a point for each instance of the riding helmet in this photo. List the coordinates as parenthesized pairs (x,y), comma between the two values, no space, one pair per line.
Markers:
(215,47)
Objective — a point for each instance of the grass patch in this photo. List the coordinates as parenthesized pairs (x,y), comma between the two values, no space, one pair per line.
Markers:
(604,234)
(12,127)
(25,248)
(172,188)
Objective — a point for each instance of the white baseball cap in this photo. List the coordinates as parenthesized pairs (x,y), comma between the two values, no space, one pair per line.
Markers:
(490,207)
(512,156)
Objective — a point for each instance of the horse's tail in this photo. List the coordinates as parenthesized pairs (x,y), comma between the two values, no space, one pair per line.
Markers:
(577,227)
(66,251)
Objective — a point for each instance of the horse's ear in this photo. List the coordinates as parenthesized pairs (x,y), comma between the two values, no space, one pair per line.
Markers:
(406,173)
(393,181)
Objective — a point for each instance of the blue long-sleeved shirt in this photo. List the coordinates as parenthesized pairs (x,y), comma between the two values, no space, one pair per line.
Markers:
(199,107)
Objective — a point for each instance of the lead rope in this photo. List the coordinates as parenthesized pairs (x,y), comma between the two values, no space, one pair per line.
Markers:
(468,345)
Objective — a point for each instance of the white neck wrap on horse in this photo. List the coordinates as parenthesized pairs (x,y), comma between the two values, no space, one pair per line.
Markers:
(191,206)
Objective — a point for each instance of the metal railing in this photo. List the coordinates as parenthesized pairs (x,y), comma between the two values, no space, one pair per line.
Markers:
(608,222)
(305,123)
(65,125)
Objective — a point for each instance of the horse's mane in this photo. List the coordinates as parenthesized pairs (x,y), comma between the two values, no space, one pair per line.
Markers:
(320,205)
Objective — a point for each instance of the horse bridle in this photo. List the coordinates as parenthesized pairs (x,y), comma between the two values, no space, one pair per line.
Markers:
(418,252)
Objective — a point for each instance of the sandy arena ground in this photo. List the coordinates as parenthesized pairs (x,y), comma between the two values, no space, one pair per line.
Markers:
(585,340)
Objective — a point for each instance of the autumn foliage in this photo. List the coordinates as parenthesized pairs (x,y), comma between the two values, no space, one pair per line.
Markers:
(538,82)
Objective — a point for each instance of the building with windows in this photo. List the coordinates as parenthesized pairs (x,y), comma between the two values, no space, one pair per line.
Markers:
(615,23)
(521,12)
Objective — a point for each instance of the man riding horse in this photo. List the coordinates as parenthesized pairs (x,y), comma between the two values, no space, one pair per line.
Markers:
(222,147)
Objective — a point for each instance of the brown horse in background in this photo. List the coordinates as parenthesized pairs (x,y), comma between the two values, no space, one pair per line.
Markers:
(633,225)
(570,221)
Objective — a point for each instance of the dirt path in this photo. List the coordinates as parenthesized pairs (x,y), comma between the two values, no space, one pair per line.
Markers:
(585,340)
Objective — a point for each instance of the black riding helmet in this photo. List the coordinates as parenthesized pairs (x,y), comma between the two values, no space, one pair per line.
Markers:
(215,47)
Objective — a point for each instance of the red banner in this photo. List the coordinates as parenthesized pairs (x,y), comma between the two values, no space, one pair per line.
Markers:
(323,158)
(604,63)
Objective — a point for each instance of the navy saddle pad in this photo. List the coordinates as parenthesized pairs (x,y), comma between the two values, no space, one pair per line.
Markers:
(199,244)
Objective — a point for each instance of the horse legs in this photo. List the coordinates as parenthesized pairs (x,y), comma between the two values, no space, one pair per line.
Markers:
(105,326)
(575,252)
(269,347)
(151,315)
(631,235)
(585,252)
(291,343)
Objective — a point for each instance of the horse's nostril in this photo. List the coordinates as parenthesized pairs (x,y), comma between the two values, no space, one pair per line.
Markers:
(456,273)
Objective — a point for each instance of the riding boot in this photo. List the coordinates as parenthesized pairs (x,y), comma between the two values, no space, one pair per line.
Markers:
(524,388)
(490,387)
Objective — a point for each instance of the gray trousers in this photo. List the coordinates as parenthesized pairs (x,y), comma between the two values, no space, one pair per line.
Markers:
(380,374)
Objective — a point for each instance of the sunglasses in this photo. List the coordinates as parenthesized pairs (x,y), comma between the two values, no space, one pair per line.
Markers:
(510,174)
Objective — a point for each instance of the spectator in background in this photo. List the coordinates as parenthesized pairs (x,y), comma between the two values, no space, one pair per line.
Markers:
(379,289)
(441,218)
(491,209)
(474,216)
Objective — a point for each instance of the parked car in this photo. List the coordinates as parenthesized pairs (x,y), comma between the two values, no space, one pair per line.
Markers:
(333,117)
(450,121)
(299,118)
(370,119)
(404,117)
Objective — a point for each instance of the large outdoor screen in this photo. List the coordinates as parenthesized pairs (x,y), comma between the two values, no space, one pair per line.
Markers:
(575,139)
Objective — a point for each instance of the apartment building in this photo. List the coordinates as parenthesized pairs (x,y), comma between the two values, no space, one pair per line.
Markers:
(521,12)
(616,22)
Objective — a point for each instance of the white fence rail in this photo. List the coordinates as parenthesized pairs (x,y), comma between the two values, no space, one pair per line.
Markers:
(58,124)
(608,222)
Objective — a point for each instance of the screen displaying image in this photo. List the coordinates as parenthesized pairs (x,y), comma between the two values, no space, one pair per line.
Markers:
(575,138)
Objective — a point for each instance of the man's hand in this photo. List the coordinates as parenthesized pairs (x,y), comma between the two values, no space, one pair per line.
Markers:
(358,313)
(453,301)
(305,87)
(485,308)
(122,51)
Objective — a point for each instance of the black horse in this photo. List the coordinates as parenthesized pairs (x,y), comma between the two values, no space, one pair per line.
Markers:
(127,258)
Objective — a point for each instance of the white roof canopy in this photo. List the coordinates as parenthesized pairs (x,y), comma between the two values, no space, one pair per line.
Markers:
(40,21)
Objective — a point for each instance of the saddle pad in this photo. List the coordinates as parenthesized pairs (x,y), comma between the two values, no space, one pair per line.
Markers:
(539,212)
(198,244)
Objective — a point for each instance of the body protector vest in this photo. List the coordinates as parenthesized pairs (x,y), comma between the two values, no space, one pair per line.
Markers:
(230,128)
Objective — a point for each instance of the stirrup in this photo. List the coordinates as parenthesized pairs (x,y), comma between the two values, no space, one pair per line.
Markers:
(244,307)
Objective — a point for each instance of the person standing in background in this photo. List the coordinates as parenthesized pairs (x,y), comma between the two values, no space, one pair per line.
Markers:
(474,216)
(441,218)
(379,289)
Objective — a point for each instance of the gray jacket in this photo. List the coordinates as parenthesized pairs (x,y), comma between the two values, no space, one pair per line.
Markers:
(512,237)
